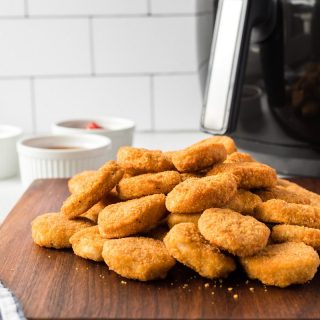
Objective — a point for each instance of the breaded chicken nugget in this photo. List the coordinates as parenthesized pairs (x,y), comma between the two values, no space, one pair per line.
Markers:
(105,179)
(286,232)
(185,243)
(139,160)
(228,143)
(250,175)
(78,182)
(283,264)
(147,184)
(244,202)
(291,186)
(185,176)
(138,258)
(199,156)
(194,195)
(53,230)
(93,213)
(88,243)
(233,232)
(282,193)
(279,211)
(131,217)
(176,218)
(239,157)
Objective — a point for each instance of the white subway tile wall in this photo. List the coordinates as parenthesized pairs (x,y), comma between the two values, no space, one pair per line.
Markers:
(12,8)
(15,103)
(58,99)
(139,59)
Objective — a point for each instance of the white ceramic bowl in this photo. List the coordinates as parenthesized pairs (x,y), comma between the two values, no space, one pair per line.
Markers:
(60,156)
(8,152)
(119,130)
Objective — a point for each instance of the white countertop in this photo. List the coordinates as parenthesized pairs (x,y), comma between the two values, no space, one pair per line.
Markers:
(12,189)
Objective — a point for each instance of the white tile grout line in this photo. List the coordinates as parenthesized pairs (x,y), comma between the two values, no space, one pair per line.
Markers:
(107,75)
(33,105)
(26,9)
(27,16)
(152,105)
(149,7)
(91,44)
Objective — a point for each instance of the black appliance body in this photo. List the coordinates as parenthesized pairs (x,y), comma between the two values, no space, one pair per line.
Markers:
(263,81)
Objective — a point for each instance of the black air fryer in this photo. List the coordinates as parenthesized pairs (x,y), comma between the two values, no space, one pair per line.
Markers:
(263,83)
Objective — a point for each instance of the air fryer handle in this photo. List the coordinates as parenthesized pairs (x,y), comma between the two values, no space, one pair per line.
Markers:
(231,37)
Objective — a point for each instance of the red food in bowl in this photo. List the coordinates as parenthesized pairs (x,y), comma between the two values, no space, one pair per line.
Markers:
(93,125)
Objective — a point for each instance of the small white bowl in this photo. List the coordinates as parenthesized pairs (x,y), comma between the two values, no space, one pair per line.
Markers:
(60,156)
(8,151)
(119,130)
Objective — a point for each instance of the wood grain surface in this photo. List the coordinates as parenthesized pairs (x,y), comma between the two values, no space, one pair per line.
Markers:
(54,284)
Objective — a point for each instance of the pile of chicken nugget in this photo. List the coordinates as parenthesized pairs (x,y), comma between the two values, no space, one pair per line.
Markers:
(208,207)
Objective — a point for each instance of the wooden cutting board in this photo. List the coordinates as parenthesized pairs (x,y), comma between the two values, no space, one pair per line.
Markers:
(54,284)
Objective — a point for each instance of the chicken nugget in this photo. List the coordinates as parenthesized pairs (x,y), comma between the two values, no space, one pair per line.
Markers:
(250,175)
(78,182)
(286,232)
(147,184)
(239,157)
(93,213)
(139,160)
(53,230)
(138,258)
(280,211)
(105,179)
(283,264)
(188,175)
(282,193)
(228,142)
(185,243)
(291,186)
(176,218)
(233,232)
(244,202)
(88,243)
(131,217)
(199,156)
(198,194)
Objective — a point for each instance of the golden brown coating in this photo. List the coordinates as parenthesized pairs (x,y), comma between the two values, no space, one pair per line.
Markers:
(88,243)
(176,218)
(188,175)
(199,156)
(250,175)
(139,160)
(53,230)
(138,258)
(105,179)
(198,194)
(239,157)
(233,232)
(78,182)
(244,202)
(131,217)
(286,232)
(283,264)
(282,193)
(291,186)
(147,184)
(185,243)
(228,143)
(280,211)
(93,213)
